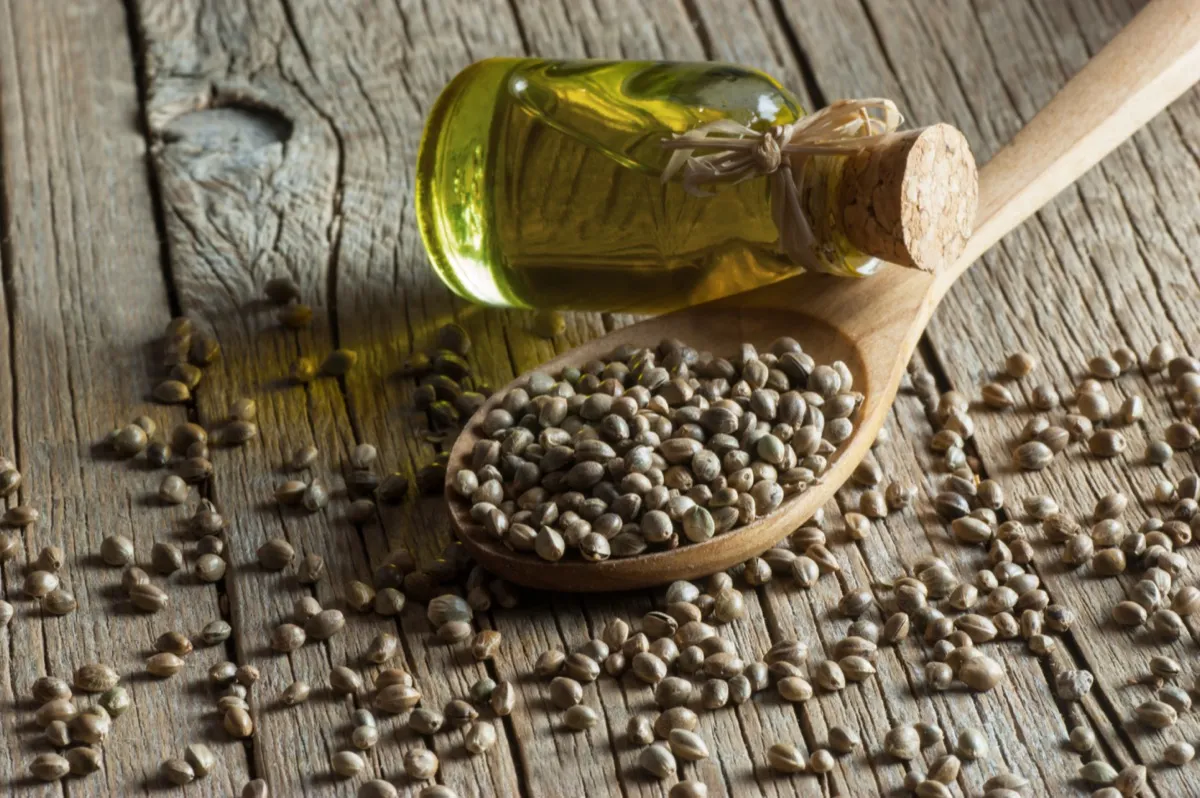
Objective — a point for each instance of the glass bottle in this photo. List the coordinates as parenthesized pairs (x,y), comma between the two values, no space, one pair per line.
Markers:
(540,184)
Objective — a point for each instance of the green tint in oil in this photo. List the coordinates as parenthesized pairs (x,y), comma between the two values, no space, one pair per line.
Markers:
(539,185)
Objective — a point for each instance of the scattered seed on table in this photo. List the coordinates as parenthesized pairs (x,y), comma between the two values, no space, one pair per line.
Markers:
(83,760)
(687,745)
(173,490)
(311,569)
(1155,714)
(459,713)
(657,760)
(205,349)
(786,758)
(10,480)
(95,677)
(50,688)
(237,432)
(339,362)
(675,718)
(938,675)
(130,440)
(177,771)
(843,740)
(171,392)
(503,698)
(1181,436)
(57,734)
(247,675)
(166,558)
(972,745)
(238,723)
(188,374)
(565,692)
(1179,753)
(117,550)
(295,316)
(57,602)
(303,370)
(1020,364)
(997,396)
(688,789)
(1033,456)
(1082,739)
(902,742)
(49,767)
(55,709)
(209,568)
(281,290)
(1098,773)
(1044,397)
(90,726)
(215,632)
(347,764)
(1106,443)
(377,788)
(580,717)
(295,693)
(314,497)
(325,624)
(276,554)
(164,664)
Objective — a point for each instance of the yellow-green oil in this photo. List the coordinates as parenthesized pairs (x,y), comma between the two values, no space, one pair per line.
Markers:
(539,186)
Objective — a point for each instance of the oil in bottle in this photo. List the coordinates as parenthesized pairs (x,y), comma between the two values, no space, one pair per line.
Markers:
(540,185)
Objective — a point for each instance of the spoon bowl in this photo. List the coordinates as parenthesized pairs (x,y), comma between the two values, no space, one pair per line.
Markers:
(757,317)
(872,324)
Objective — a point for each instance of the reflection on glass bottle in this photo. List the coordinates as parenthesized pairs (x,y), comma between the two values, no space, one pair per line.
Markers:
(540,184)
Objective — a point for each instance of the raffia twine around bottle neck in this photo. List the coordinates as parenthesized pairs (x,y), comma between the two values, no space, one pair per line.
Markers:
(736,153)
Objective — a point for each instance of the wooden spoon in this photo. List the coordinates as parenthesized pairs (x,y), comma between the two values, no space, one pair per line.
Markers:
(872,324)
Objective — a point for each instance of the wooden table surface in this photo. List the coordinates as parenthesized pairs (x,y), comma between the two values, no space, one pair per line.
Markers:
(166,157)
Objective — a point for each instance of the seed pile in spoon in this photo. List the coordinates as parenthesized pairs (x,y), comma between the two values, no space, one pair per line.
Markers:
(654,448)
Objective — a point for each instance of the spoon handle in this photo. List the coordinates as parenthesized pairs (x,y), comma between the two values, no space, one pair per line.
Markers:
(1146,66)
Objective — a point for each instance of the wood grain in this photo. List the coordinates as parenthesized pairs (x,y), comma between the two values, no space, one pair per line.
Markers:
(281,138)
(258,188)
(1081,299)
(87,297)
(314,208)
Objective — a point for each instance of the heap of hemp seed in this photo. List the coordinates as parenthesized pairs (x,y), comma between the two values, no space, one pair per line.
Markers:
(651,449)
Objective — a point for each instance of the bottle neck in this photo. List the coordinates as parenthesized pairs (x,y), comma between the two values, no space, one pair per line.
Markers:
(905,197)
(801,161)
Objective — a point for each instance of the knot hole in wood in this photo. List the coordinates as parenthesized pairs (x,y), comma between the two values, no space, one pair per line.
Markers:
(233,128)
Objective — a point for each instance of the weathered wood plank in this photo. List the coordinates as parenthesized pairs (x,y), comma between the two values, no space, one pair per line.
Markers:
(319,200)
(788,610)
(1097,283)
(499,352)
(81,267)
(741,737)
(333,208)
(21,643)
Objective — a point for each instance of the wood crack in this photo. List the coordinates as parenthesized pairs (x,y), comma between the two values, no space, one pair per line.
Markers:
(700,27)
(812,86)
(8,277)
(137,53)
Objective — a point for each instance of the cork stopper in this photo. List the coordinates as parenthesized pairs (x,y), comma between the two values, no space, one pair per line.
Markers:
(910,199)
